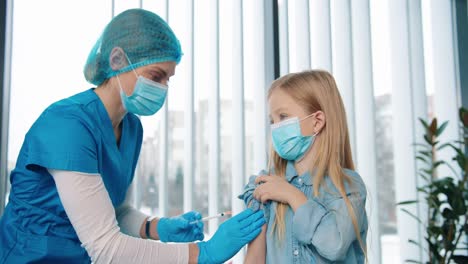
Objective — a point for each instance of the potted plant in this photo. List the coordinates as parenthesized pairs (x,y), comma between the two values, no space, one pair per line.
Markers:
(445,196)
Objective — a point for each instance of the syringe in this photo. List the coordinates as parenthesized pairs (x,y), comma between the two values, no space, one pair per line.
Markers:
(212,217)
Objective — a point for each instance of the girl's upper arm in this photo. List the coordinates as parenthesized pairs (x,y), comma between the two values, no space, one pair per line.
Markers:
(256,251)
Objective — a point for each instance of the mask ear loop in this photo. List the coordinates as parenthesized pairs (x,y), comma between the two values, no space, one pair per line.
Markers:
(133,69)
(120,84)
(306,117)
(131,65)
(316,133)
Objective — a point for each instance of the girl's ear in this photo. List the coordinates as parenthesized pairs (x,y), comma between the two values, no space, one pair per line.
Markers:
(320,121)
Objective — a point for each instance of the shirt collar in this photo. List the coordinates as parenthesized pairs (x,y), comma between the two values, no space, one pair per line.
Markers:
(291,174)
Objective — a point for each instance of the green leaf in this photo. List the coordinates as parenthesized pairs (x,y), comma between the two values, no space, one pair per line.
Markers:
(453,170)
(433,201)
(429,141)
(448,213)
(424,123)
(422,145)
(438,163)
(426,176)
(434,230)
(458,205)
(411,214)
(458,150)
(428,171)
(411,241)
(426,153)
(407,202)
(422,159)
(412,261)
(444,146)
(441,128)
(422,189)
(459,259)
(433,248)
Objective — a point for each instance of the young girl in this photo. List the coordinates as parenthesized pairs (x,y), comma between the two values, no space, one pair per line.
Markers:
(314,201)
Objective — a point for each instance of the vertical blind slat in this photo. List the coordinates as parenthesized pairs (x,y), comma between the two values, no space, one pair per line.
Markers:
(403,126)
(189,144)
(365,118)
(213,109)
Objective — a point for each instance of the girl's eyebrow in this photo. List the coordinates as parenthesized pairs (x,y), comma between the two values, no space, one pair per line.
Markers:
(279,109)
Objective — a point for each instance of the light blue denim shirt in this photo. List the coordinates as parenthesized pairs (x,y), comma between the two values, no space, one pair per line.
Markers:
(321,230)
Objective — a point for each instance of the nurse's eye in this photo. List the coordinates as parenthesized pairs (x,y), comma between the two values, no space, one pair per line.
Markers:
(156,78)
(283,116)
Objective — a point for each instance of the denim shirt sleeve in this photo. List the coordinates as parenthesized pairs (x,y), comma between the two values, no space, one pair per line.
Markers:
(247,195)
(328,226)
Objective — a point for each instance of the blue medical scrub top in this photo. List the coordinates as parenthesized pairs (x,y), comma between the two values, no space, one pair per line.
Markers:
(74,134)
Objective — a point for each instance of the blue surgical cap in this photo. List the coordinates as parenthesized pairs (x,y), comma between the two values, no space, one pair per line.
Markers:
(144,37)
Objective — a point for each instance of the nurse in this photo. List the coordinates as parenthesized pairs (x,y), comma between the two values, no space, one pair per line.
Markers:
(69,191)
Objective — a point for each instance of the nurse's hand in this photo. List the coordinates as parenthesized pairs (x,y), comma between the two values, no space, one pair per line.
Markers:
(182,228)
(231,236)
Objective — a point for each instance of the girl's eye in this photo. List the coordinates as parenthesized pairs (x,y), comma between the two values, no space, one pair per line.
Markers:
(283,116)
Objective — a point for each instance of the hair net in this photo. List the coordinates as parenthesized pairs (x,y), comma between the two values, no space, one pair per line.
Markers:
(142,35)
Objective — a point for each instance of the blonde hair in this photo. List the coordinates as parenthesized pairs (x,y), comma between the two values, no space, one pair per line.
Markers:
(317,91)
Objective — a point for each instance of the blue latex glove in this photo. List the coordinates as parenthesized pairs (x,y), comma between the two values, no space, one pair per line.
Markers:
(180,228)
(231,236)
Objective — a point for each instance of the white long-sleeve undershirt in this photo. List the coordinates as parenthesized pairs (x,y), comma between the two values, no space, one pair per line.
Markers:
(129,219)
(90,210)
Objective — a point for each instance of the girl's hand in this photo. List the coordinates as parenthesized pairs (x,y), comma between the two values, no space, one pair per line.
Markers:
(278,189)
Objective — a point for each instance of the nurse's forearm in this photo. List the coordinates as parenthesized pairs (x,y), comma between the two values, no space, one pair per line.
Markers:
(129,219)
(193,248)
(90,210)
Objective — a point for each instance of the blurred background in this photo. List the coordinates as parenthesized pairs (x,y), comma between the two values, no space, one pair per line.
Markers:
(394,61)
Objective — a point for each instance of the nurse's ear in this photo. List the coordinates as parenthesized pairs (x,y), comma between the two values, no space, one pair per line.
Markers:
(117,59)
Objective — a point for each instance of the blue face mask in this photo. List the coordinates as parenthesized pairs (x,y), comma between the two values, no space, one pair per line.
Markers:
(288,140)
(147,97)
